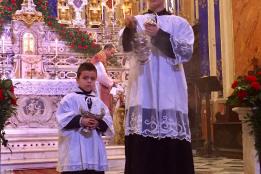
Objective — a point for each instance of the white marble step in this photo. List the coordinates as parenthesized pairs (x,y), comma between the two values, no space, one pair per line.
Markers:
(30,159)
(49,152)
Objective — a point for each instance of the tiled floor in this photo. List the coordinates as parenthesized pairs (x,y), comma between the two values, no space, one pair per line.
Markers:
(218,165)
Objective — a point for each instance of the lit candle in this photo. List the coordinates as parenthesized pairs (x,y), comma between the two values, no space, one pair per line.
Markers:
(3,44)
(56,47)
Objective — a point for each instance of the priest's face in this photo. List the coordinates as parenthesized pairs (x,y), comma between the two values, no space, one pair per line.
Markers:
(109,52)
(156,5)
(86,80)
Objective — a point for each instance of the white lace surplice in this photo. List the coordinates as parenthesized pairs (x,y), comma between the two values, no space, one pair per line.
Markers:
(157,104)
(77,152)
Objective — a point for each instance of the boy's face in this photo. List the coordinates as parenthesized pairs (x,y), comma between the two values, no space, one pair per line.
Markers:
(86,80)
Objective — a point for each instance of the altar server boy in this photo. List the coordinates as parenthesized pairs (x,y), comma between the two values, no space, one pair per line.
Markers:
(82,117)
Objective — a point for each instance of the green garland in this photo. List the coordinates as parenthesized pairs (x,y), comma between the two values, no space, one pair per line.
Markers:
(78,40)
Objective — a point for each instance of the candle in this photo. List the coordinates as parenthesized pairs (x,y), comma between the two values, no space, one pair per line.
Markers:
(124,15)
(3,44)
(56,47)
(112,5)
(102,11)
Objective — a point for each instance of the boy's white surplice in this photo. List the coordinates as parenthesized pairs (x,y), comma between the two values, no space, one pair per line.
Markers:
(157,90)
(76,151)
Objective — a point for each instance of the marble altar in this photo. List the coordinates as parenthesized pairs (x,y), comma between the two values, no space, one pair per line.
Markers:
(43,69)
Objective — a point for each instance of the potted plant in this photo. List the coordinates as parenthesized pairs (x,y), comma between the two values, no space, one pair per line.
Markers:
(247,93)
(7,106)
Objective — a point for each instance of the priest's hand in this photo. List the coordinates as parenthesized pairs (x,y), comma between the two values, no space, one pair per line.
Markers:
(151,29)
(130,22)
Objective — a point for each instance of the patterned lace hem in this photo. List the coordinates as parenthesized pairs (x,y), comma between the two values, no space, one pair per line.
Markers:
(95,167)
(182,137)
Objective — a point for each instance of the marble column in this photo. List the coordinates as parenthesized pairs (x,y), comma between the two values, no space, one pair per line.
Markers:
(251,163)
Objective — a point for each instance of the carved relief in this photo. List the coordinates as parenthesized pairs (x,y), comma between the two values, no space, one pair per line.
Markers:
(35,111)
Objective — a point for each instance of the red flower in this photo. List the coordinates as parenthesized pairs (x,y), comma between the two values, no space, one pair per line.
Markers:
(93,45)
(12,89)
(235,84)
(251,78)
(1,95)
(13,2)
(242,95)
(13,102)
(49,23)
(256,85)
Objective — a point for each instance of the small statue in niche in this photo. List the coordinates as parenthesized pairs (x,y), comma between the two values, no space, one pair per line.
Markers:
(95,13)
(127,8)
(28,43)
(64,14)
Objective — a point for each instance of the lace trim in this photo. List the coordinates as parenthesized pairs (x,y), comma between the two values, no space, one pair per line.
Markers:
(187,138)
(182,50)
(157,124)
(96,167)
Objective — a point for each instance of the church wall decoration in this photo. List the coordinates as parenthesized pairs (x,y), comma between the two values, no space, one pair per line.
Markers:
(78,40)
(218,40)
(203,37)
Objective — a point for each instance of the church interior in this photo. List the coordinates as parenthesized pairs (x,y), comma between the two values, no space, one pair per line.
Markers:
(44,41)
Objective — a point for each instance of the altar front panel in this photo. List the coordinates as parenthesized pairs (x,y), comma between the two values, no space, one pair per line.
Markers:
(38,100)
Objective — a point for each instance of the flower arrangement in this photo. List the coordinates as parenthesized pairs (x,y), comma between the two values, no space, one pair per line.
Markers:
(79,41)
(7,105)
(247,93)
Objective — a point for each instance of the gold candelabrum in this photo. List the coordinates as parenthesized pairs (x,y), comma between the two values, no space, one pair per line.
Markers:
(94,13)
(64,12)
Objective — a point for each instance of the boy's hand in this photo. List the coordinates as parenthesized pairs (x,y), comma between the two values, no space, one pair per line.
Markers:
(91,123)
(151,29)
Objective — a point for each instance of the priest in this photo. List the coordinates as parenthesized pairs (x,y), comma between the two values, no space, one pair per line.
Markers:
(157,133)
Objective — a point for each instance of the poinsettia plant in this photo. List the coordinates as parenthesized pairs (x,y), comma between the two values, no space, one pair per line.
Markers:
(247,93)
(7,105)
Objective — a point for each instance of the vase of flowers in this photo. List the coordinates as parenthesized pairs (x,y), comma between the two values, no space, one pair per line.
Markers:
(246,96)
(7,106)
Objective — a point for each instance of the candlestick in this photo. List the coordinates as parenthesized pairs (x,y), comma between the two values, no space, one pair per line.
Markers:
(3,44)
(124,15)
(56,47)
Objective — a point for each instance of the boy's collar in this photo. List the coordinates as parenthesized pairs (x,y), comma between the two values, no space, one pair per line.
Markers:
(87,93)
